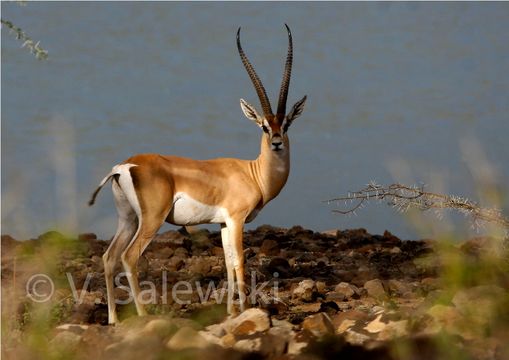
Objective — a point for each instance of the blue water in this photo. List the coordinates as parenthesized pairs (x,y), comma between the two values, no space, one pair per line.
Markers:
(394,90)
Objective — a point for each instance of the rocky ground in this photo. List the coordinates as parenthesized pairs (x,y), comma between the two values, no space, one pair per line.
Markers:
(315,295)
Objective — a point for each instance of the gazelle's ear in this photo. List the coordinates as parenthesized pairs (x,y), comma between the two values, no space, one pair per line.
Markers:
(296,110)
(250,111)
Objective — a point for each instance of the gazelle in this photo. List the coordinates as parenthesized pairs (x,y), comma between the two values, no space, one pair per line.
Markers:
(150,189)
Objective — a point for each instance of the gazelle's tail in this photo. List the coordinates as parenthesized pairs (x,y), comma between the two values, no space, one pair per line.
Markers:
(103,182)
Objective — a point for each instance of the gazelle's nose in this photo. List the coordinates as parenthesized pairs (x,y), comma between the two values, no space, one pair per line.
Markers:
(277,145)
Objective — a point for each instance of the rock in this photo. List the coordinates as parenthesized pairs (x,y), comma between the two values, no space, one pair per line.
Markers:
(394,330)
(335,296)
(160,327)
(187,338)
(346,319)
(217,251)
(164,253)
(77,329)
(176,263)
(376,325)
(98,263)
(349,291)
(479,303)
(319,324)
(67,340)
(87,236)
(216,329)
(429,284)
(281,266)
(320,287)
(356,338)
(249,322)
(444,318)
(329,307)
(248,345)
(199,265)
(305,291)
(276,341)
(269,247)
(181,252)
(228,340)
(399,288)
(375,289)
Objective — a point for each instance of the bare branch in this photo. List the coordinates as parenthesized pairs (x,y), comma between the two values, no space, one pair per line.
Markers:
(34,47)
(403,197)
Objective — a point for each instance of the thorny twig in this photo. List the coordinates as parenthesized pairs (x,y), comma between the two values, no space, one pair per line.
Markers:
(34,47)
(403,197)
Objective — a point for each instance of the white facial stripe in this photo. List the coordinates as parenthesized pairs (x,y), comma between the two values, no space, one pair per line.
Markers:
(283,125)
(266,124)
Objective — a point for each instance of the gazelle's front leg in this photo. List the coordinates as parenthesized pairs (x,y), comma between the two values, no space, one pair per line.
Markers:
(235,230)
(228,256)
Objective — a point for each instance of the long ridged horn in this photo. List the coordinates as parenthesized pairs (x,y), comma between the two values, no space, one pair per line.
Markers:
(260,90)
(285,83)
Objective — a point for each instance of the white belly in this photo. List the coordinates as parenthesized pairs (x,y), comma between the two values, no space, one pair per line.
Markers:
(187,211)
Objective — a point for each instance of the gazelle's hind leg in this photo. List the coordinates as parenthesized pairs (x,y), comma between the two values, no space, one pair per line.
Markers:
(127,225)
(148,226)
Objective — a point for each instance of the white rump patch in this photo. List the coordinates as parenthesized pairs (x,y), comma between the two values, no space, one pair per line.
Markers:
(188,211)
(126,184)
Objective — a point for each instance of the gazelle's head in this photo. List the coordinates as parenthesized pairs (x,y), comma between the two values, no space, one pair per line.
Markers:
(275,126)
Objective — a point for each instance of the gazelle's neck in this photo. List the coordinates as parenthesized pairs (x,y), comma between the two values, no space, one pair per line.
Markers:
(271,168)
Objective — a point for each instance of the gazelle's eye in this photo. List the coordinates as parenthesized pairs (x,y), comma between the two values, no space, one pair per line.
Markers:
(264,128)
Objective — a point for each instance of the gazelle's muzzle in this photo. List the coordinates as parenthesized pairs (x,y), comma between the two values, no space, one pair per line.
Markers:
(277,143)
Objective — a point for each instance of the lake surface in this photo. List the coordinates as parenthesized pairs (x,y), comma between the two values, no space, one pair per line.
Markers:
(403,92)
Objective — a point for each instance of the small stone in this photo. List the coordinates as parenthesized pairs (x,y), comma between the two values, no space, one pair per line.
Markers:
(329,307)
(199,265)
(376,325)
(269,247)
(320,287)
(228,340)
(77,329)
(335,296)
(186,338)
(249,322)
(160,327)
(181,252)
(176,263)
(445,318)
(479,303)
(66,339)
(395,250)
(375,289)
(216,329)
(429,284)
(217,251)
(164,253)
(356,338)
(248,345)
(281,266)
(348,290)
(298,342)
(305,291)
(87,236)
(394,330)
(346,319)
(399,287)
(319,324)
